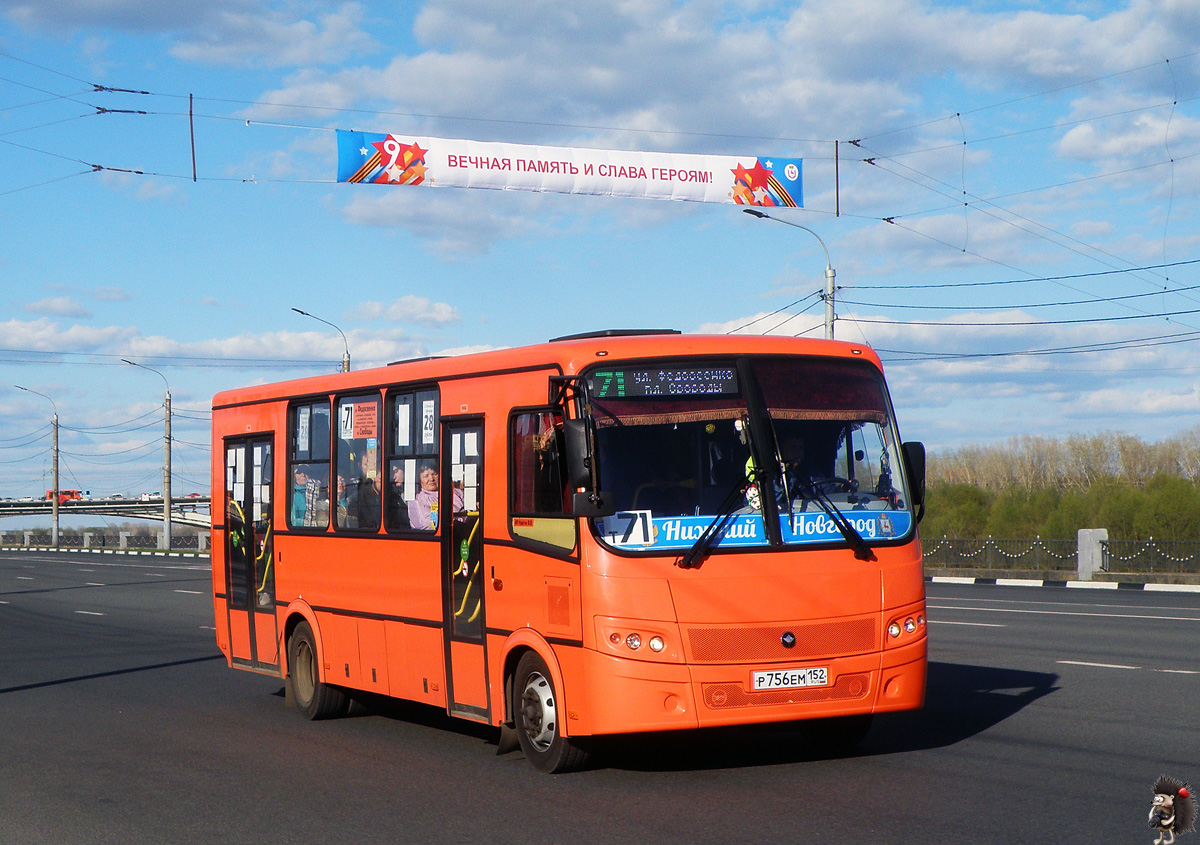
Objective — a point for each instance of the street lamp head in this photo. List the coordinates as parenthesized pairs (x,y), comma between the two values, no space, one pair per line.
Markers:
(830,274)
(43,395)
(345,343)
(151,369)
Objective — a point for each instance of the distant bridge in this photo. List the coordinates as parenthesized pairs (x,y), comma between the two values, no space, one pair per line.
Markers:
(188,510)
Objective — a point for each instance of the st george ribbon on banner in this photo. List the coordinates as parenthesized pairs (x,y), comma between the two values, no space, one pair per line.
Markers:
(447,163)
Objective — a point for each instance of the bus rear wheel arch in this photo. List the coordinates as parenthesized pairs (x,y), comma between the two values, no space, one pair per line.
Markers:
(313,697)
(536,713)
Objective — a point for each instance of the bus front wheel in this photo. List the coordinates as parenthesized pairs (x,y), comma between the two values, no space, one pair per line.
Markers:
(537,715)
(314,698)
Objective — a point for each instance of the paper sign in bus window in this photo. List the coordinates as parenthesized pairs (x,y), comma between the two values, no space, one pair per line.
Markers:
(403,423)
(627,528)
(428,420)
(302,428)
(365,422)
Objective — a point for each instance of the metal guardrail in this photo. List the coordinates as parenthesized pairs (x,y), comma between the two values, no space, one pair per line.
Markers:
(1151,556)
(1134,556)
(990,553)
(98,542)
(186,510)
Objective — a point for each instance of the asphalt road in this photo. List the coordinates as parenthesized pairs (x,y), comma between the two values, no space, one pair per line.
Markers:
(1050,712)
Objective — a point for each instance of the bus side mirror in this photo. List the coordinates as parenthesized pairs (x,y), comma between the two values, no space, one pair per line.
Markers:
(579,459)
(914,466)
(590,502)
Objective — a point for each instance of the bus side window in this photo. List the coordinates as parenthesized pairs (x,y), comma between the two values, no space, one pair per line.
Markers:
(412,481)
(359,472)
(538,476)
(308,460)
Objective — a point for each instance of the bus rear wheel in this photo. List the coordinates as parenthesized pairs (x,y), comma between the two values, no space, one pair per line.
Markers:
(537,715)
(314,698)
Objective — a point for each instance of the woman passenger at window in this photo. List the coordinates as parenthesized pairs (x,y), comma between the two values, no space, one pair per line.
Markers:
(423,509)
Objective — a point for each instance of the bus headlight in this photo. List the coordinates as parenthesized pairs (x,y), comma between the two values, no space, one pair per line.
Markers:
(905,628)
(639,639)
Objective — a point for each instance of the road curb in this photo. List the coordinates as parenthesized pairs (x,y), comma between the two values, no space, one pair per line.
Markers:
(1079,585)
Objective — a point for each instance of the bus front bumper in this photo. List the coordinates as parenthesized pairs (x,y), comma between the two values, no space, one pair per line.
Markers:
(631,696)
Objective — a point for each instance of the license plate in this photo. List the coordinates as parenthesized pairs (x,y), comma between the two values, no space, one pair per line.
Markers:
(814,676)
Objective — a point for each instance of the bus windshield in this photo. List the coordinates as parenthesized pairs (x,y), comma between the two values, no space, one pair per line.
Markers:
(683,446)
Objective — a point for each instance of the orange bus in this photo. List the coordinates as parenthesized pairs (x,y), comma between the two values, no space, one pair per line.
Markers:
(609,533)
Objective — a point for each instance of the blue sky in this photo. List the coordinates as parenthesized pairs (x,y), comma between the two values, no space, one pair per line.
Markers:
(1018,165)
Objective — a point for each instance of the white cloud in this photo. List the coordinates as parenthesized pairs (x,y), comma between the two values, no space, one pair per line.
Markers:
(407,309)
(238,37)
(455,223)
(58,306)
(110,293)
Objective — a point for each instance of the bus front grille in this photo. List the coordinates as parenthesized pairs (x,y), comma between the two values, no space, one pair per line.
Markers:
(812,640)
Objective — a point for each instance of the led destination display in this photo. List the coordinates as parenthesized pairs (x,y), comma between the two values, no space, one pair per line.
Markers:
(633,383)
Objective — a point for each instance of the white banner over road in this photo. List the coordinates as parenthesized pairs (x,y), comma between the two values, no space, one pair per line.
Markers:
(447,163)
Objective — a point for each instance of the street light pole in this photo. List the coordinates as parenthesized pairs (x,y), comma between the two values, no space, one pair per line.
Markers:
(830,275)
(346,354)
(166,455)
(54,453)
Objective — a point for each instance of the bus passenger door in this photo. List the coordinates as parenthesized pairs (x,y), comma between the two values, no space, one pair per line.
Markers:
(250,554)
(463,574)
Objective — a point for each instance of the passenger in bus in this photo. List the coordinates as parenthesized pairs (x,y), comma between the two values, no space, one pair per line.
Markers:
(343,503)
(423,509)
(300,481)
(367,500)
(310,499)
(397,508)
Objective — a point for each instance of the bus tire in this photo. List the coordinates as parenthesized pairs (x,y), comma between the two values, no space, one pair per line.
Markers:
(536,714)
(314,698)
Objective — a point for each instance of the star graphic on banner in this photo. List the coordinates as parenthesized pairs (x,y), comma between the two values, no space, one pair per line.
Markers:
(363,151)
(393,172)
(760,196)
(416,173)
(740,174)
(759,175)
(769,165)
(416,151)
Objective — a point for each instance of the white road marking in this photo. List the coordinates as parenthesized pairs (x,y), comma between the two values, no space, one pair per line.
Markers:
(972,624)
(191,592)
(968,599)
(1121,666)
(89,613)
(1067,613)
(1097,665)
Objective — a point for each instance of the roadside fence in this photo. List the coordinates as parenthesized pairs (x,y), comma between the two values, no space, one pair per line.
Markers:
(1147,556)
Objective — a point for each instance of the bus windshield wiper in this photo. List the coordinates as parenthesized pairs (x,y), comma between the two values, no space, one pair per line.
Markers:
(699,550)
(811,491)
